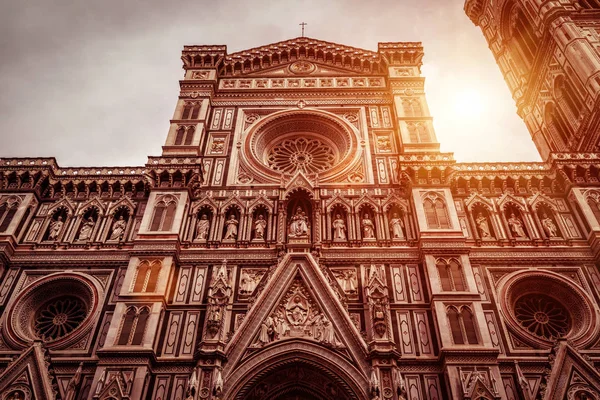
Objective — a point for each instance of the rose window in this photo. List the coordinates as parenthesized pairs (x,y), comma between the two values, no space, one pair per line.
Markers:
(311,156)
(59,318)
(59,309)
(541,306)
(543,316)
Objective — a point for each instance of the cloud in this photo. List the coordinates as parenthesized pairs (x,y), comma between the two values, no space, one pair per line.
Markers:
(95,83)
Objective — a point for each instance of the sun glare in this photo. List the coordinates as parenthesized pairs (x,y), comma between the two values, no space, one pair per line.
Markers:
(469,103)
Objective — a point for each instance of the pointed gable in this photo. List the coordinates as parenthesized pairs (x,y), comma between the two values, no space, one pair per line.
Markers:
(299,294)
(282,56)
(570,373)
(29,375)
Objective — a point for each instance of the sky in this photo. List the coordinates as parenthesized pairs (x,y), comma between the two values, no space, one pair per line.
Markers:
(94,83)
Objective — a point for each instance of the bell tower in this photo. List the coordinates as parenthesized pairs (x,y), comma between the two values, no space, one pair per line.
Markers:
(549,55)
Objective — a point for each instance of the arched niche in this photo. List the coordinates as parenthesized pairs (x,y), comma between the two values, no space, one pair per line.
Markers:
(231,230)
(299,208)
(340,223)
(87,224)
(367,222)
(204,223)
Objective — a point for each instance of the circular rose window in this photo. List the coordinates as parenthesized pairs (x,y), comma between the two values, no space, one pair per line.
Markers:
(311,156)
(314,143)
(58,309)
(543,316)
(542,306)
(59,317)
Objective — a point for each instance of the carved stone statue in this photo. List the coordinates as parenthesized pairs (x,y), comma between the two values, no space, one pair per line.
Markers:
(396,225)
(266,331)
(232,230)
(16,395)
(482,226)
(347,280)
(282,328)
(118,229)
(339,229)
(202,227)
(248,281)
(55,228)
(86,230)
(299,224)
(549,226)
(516,226)
(260,226)
(368,227)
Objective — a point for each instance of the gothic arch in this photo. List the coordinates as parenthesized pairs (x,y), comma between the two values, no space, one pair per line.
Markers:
(298,353)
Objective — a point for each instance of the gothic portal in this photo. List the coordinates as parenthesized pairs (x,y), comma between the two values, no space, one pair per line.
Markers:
(302,237)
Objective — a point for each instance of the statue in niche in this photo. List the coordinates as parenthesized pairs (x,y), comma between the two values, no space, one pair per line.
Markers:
(55,228)
(266,331)
(368,227)
(298,225)
(339,229)
(396,225)
(232,230)
(86,230)
(483,226)
(118,229)
(516,226)
(549,226)
(260,226)
(202,227)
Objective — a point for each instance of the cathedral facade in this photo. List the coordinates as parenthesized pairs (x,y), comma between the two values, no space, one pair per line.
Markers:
(303,237)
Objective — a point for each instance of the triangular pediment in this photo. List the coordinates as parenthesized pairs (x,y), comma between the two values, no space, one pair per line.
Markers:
(28,375)
(299,307)
(297,315)
(323,58)
(302,68)
(582,376)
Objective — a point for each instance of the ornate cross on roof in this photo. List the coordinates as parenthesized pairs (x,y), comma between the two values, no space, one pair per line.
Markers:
(303,24)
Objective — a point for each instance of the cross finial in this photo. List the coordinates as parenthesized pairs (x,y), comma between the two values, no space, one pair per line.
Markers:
(303,24)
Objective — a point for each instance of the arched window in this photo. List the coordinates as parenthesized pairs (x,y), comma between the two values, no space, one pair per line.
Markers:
(564,93)
(140,326)
(523,36)
(436,214)
(462,325)
(128,322)
(164,213)
(140,279)
(469,325)
(595,206)
(189,137)
(134,326)
(187,110)
(7,213)
(454,319)
(147,277)
(451,275)
(180,136)
(190,110)
(557,124)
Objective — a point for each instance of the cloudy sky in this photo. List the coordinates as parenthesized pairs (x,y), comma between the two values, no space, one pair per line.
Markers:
(94,83)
